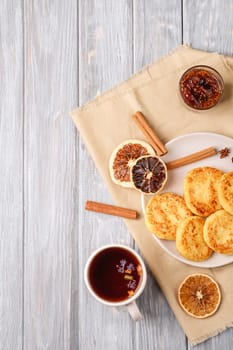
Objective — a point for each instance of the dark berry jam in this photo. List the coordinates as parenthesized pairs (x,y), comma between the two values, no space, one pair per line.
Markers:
(201,87)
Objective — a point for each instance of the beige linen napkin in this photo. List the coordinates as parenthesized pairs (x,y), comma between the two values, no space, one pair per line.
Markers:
(106,121)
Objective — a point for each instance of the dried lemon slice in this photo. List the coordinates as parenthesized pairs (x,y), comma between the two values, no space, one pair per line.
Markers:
(149,174)
(123,157)
(199,295)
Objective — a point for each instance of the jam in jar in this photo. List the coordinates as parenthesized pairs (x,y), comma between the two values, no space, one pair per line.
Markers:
(201,87)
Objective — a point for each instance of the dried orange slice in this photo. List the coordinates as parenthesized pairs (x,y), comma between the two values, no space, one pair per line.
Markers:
(123,157)
(149,174)
(199,295)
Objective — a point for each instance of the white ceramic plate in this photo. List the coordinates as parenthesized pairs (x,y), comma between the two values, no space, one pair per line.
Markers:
(182,146)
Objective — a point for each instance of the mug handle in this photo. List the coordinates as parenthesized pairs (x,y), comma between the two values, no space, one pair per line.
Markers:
(134,311)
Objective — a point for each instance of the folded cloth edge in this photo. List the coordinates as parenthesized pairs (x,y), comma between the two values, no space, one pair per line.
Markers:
(108,93)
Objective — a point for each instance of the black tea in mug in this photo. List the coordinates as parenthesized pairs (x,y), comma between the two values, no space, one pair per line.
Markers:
(115,274)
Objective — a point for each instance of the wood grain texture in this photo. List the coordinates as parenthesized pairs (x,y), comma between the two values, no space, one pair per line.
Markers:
(157,30)
(208,25)
(50,93)
(105,45)
(11,174)
(105,38)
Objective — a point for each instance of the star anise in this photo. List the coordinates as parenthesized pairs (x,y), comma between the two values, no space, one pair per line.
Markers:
(224,152)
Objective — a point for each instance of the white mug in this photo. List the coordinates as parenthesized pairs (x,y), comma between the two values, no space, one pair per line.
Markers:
(126,270)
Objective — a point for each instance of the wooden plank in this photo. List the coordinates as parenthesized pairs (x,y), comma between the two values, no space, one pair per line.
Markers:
(208,26)
(157,30)
(50,179)
(11,174)
(105,51)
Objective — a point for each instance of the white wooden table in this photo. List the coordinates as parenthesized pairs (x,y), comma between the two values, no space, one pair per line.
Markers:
(55,55)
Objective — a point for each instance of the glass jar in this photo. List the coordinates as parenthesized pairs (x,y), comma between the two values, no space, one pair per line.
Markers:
(201,87)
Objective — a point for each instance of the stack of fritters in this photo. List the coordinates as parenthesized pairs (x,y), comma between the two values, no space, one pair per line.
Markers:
(202,221)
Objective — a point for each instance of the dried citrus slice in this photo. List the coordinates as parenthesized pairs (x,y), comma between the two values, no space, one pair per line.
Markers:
(199,295)
(123,157)
(149,174)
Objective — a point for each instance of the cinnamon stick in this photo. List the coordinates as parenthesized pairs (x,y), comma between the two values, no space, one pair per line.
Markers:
(111,209)
(191,158)
(149,133)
